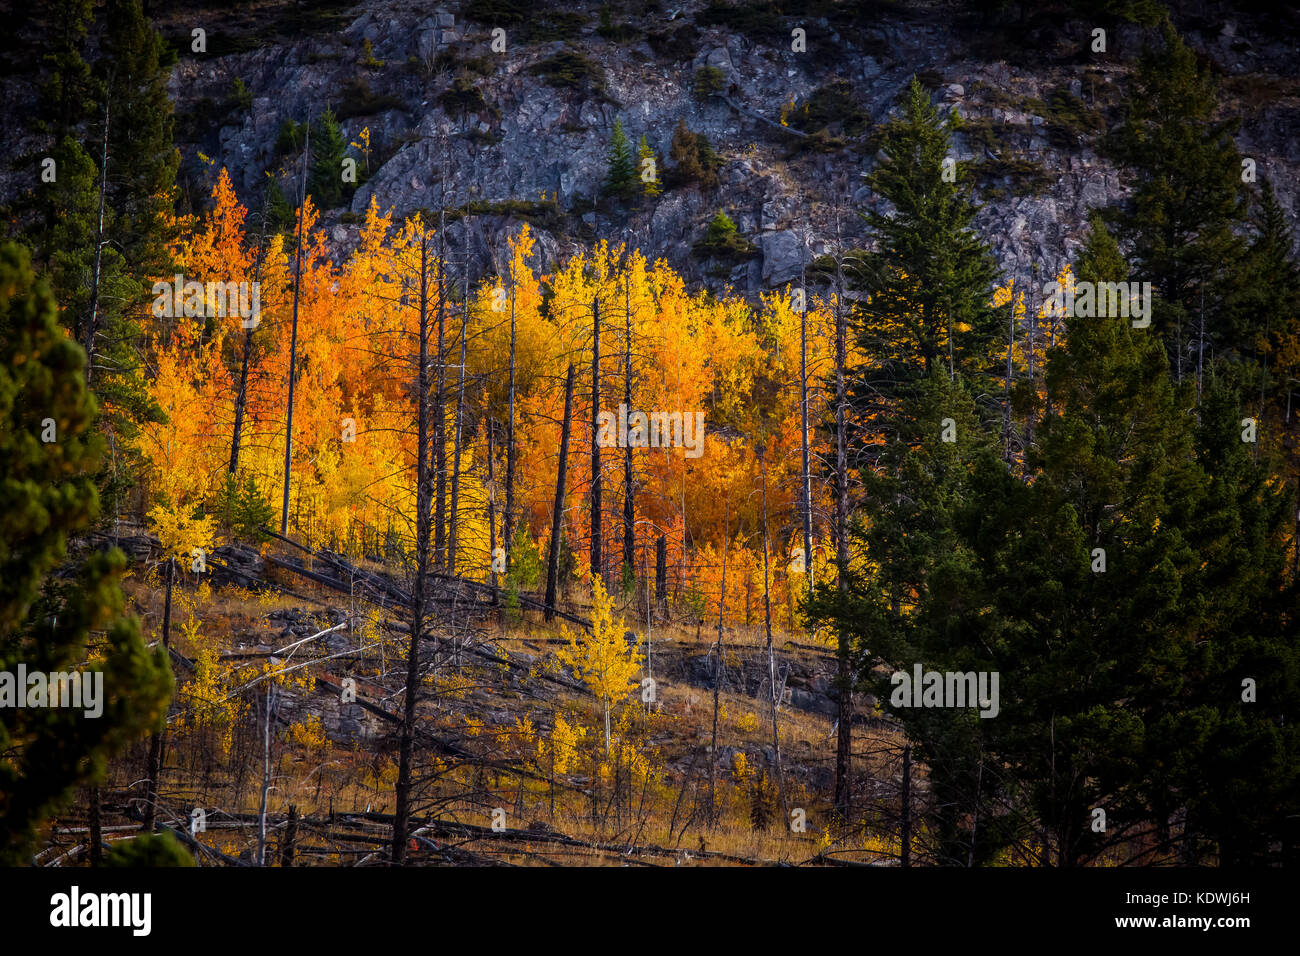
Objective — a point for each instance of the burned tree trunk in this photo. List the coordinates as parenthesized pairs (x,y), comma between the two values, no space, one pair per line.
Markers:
(402,810)
(595,444)
(457,434)
(717,668)
(843,668)
(440,432)
(156,740)
(661,575)
(553,563)
(508,520)
(293,335)
(629,501)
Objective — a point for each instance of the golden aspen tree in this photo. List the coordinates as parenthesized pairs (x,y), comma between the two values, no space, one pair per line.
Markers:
(604,660)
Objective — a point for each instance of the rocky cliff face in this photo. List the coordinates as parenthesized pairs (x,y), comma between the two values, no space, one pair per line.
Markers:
(535,146)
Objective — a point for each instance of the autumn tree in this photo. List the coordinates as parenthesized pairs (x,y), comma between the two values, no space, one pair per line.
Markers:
(648,169)
(604,659)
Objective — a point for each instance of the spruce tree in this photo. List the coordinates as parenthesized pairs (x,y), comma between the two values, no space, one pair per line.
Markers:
(926,289)
(1187,199)
(46,494)
(621,178)
(328,147)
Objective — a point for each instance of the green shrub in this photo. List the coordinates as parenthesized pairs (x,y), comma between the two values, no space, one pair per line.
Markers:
(722,241)
(676,44)
(463,98)
(358,100)
(569,68)
(833,108)
(621,33)
(708,80)
(241,97)
(759,20)
(529,22)
(458,62)
(150,850)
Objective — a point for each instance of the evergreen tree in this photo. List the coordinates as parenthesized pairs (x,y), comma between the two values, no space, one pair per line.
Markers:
(328,148)
(621,179)
(1122,588)
(1188,198)
(1241,779)
(135,66)
(926,289)
(46,493)
(694,160)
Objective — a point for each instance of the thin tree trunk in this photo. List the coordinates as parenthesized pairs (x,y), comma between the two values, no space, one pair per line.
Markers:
(440,415)
(492,515)
(95,828)
(661,576)
(156,740)
(771,651)
(508,521)
(717,669)
(402,811)
(293,335)
(241,392)
(460,412)
(553,563)
(1006,400)
(629,501)
(806,488)
(595,445)
(92,326)
(844,677)
(266,776)
(905,835)
(288,845)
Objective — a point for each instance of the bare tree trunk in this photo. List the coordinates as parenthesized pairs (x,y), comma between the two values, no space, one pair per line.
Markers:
(717,669)
(508,521)
(92,325)
(440,417)
(241,391)
(596,569)
(1032,316)
(661,575)
(492,514)
(293,335)
(806,488)
(1006,401)
(266,775)
(288,843)
(156,740)
(95,828)
(460,412)
(844,676)
(553,563)
(402,811)
(629,502)
(905,836)
(771,651)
